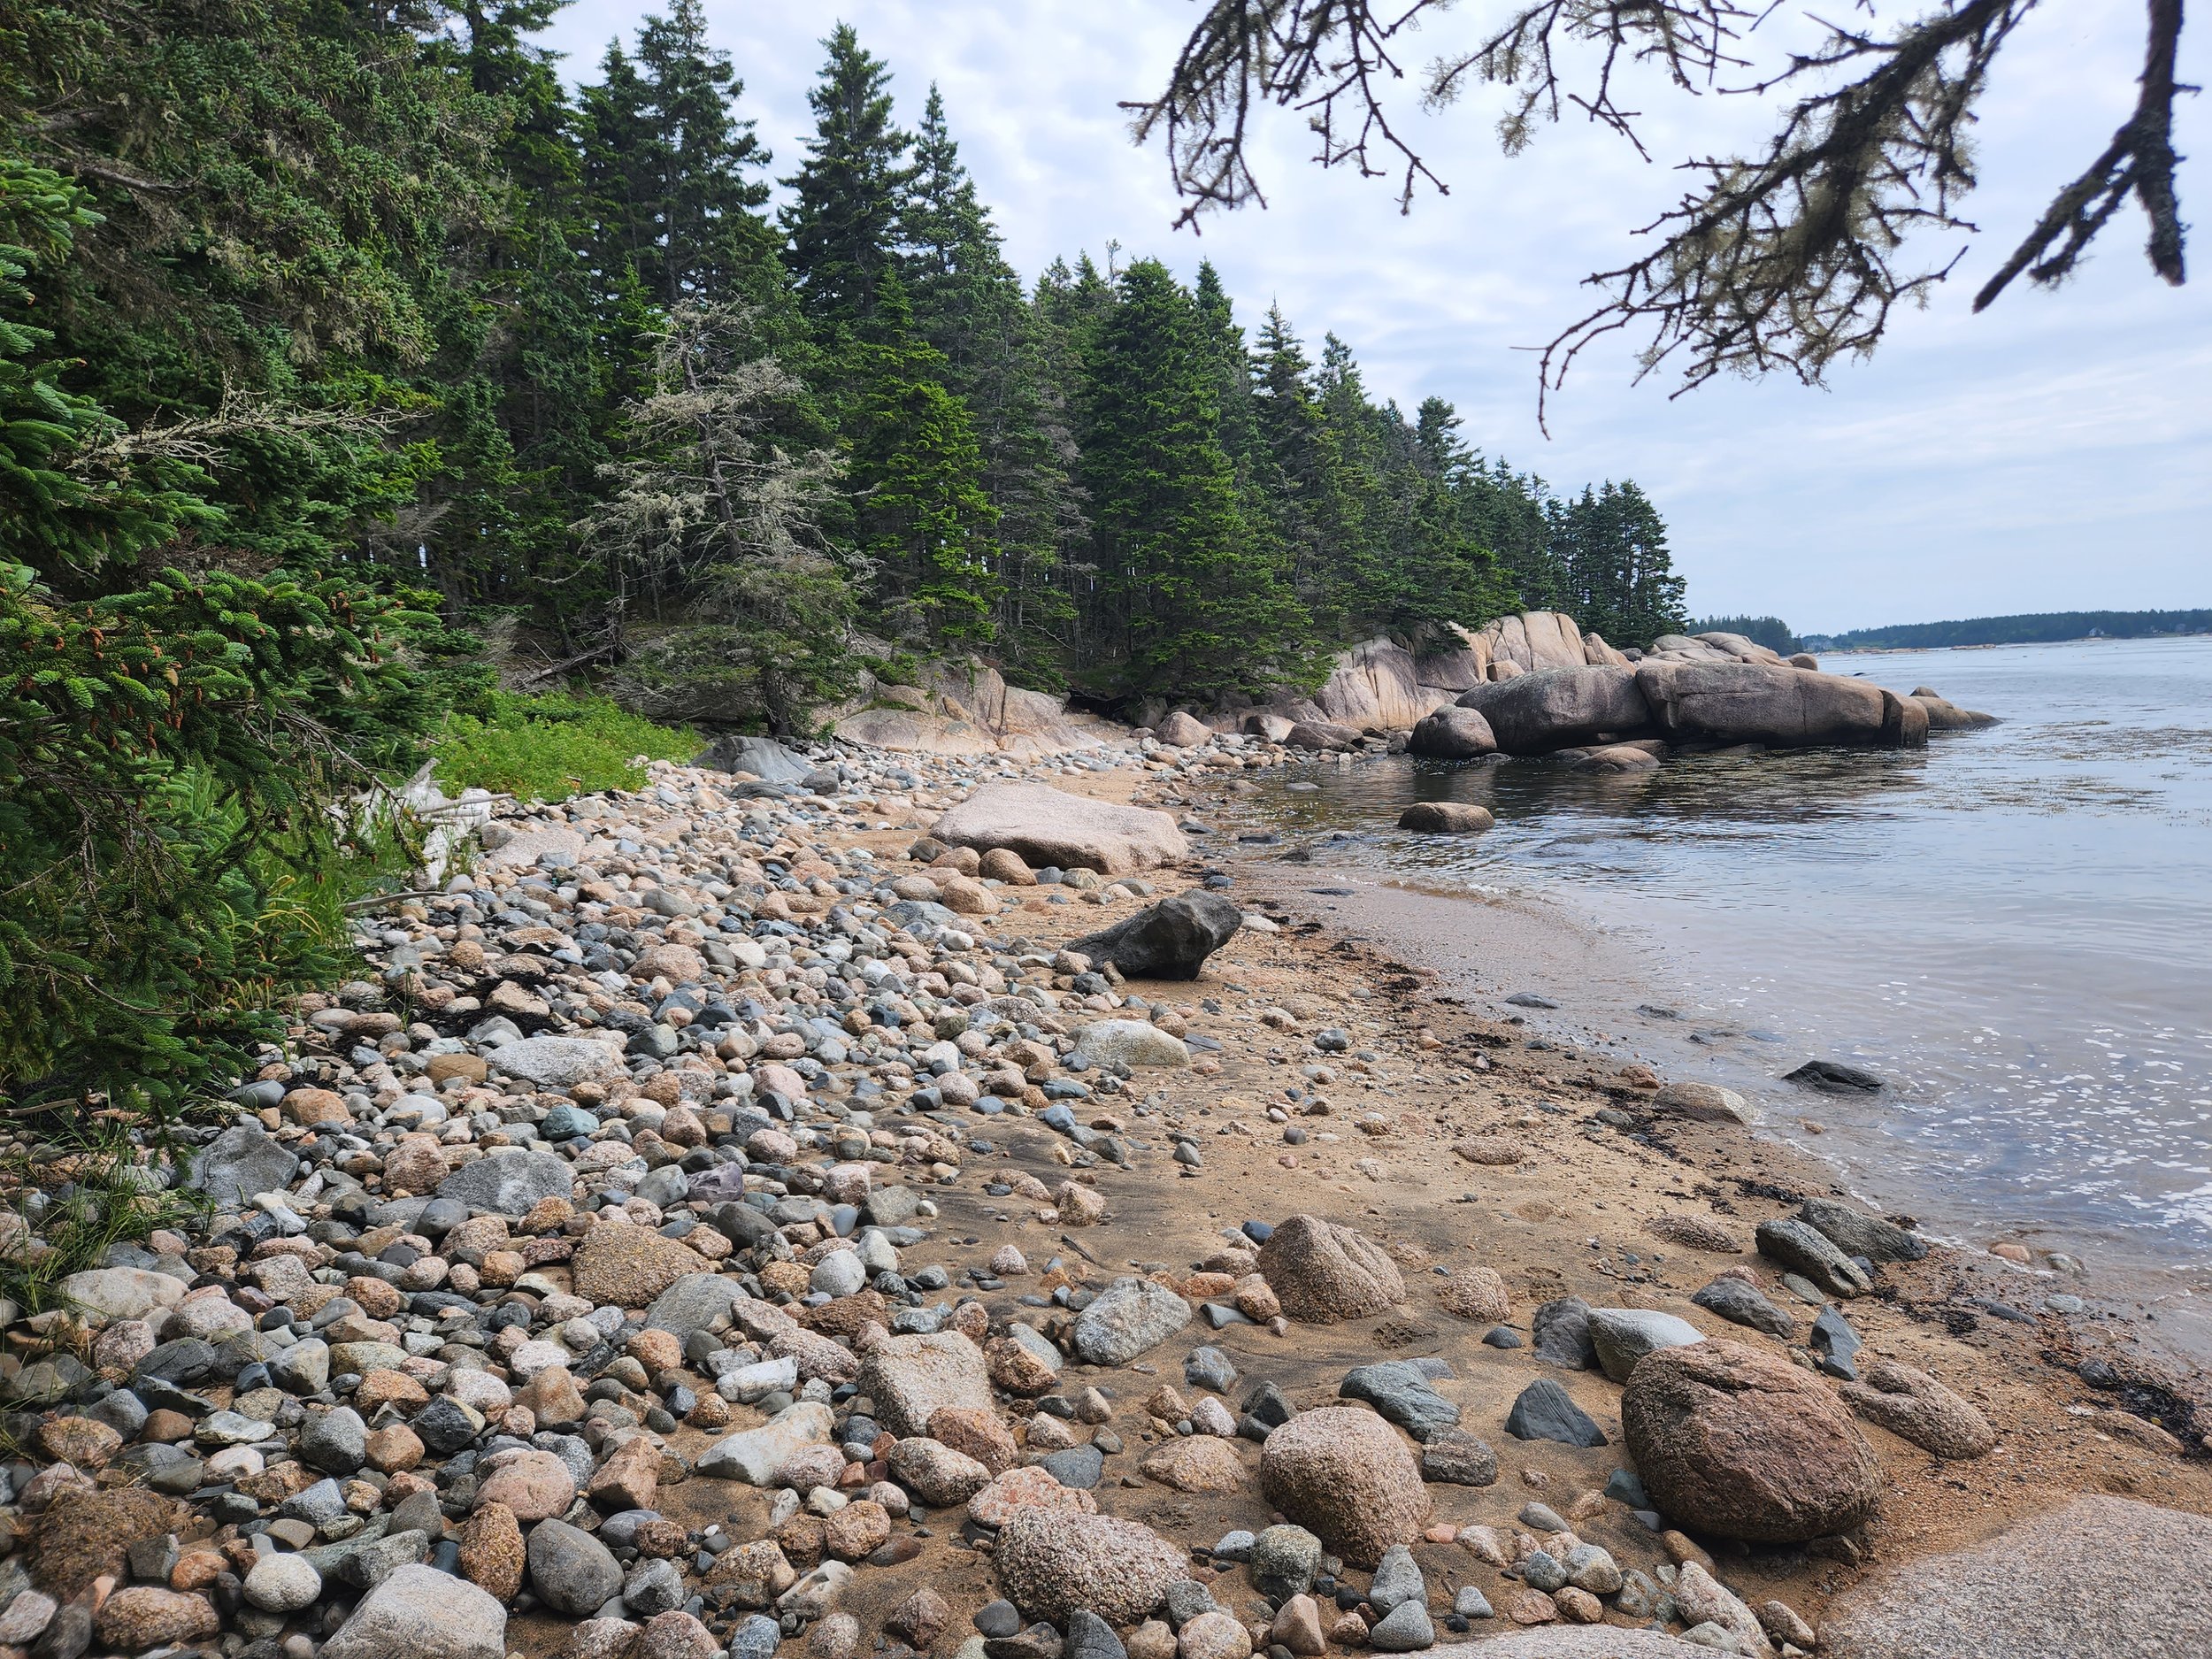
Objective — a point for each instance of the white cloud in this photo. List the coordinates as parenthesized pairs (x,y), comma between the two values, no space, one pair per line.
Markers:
(2047,455)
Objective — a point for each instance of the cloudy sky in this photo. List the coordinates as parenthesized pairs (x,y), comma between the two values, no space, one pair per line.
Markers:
(2051,454)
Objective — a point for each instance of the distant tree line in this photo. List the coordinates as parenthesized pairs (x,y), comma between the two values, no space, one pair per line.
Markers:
(2044,628)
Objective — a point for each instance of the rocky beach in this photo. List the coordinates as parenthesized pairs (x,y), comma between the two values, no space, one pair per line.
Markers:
(860,1201)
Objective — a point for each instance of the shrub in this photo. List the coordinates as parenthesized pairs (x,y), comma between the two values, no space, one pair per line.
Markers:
(548,748)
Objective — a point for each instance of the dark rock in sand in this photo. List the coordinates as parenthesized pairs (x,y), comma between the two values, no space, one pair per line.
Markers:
(1856,1232)
(1797,1246)
(1832,1076)
(1169,941)
(1746,1304)
(1545,1411)
(1561,1329)
(1400,1392)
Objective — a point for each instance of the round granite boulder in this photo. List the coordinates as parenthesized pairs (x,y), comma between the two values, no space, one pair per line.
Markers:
(1732,1442)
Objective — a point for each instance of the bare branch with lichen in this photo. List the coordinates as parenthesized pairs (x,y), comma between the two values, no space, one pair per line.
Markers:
(1782,260)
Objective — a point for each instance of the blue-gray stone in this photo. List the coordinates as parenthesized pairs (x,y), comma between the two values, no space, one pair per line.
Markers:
(1079,1466)
(1209,1368)
(1399,1390)
(1545,1411)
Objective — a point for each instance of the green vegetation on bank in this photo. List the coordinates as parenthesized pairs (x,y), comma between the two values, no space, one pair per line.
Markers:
(549,748)
(2050,627)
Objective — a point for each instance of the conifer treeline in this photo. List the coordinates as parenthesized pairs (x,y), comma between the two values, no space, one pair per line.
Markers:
(398,303)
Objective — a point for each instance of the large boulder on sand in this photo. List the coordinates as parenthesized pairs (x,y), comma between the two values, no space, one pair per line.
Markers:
(1169,940)
(1453,734)
(1182,731)
(2100,1578)
(1733,1442)
(1771,703)
(1049,826)
(1051,1561)
(1559,708)
(1323,1273)
(1343,1473)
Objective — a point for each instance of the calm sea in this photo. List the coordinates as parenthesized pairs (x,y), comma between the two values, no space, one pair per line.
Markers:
(2014,927)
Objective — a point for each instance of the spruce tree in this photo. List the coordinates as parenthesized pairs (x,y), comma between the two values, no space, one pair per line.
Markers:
(922,518)
(1612,545)
(1194,609)
(842,223)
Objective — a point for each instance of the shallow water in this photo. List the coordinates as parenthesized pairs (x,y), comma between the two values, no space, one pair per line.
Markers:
(2014,926)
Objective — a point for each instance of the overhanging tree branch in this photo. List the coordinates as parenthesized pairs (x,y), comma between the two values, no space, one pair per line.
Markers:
(2140,160)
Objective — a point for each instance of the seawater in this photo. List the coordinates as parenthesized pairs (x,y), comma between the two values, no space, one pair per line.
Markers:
(2014,927)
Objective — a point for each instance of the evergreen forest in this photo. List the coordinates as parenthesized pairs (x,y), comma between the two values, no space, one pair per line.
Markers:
(358,373)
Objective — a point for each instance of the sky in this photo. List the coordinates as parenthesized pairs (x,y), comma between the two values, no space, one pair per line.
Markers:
(2052,453)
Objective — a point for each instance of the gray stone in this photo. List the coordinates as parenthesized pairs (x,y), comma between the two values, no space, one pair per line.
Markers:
(1400,1394)
(1746,1304)
(335,1442)
(571,1571)
(755,1637)
(551,1062)
(753,1455)
(1129,1317)
(1186,1600)
(1130,1042)
(764,758)
(1544,1571)
(1397,1579)
(697,1301)
(1286,1560)
(1799,1248)
(1079,1467)
(1856,1232)
(1472,1603)
(653,1587)
(420,1613)
(1209,1368)
(1561,1329)
(1545,1411)
(1624,1335)
(1406,1628)
(1835,1342)
(281,1585)
(508,1183)
(1458,1458)
(302,1369)
(1091,1637)
(241,1163)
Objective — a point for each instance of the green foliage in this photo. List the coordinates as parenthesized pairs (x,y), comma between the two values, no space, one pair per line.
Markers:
(1611,548)
(1195,604)
(173,831)
(550,746)
(1771,632)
